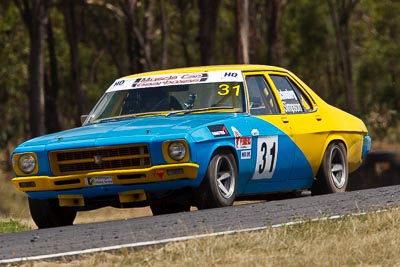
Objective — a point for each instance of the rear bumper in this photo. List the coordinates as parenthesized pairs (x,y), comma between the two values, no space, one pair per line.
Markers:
(366,146)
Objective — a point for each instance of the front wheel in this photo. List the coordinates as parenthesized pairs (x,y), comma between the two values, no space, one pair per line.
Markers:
(332,176)
(47,213)
(220,183)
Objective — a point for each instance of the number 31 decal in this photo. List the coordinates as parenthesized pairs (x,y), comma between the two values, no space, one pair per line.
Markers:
(267,152)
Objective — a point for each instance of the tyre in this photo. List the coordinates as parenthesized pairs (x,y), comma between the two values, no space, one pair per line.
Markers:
(332,176)
(47,213)
(219,186)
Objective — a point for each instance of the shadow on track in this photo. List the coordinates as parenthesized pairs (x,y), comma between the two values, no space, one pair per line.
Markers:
(380,168)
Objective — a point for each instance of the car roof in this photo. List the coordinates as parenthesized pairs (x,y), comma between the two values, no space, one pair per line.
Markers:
(240,67)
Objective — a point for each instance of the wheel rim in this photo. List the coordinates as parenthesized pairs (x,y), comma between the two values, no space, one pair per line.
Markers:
(225,177)
(338,167)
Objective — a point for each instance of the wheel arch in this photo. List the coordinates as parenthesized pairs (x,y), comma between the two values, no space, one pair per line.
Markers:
(331,139)
(229,148)
(207,153)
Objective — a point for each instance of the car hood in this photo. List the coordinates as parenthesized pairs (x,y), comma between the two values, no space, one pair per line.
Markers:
(129,130)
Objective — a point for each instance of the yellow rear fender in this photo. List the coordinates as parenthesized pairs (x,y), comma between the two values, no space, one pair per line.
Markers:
(353,145)
(331,138)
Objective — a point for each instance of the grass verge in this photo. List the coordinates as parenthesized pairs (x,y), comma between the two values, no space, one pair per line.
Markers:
(12,226)
(368,240)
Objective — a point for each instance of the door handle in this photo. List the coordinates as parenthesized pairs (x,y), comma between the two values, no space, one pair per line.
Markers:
(318,117)
(285,119)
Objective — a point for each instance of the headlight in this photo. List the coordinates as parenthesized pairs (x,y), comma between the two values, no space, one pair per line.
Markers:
(177,151)
(27,163)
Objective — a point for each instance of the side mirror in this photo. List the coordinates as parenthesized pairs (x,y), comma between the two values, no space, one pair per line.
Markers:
(83,118)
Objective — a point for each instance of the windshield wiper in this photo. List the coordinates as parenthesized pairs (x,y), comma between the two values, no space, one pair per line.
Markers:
(129,116)
(118,118)
(154,113)
(188,111)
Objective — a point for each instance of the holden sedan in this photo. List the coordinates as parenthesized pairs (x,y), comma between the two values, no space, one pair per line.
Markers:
(200,136)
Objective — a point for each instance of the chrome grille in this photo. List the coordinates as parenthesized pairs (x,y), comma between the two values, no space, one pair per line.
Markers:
(96,159)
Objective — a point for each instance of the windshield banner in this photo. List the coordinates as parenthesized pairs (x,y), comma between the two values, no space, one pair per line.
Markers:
(176,79)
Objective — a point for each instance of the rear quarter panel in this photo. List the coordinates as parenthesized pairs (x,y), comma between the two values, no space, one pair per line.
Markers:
(337,125)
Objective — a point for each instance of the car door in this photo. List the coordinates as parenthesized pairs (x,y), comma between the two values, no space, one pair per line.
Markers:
(272,146)
(307,125)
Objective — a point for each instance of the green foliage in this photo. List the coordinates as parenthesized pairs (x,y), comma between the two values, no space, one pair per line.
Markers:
(309,49)
(13,72)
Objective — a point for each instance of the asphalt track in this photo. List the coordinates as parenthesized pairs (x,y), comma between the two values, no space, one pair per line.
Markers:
(139,232)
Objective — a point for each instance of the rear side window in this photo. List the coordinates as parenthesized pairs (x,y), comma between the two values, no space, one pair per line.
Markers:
(293,99)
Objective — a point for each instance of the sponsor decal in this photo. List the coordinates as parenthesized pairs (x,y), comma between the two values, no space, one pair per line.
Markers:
(230,74)
(241,142)
(99,180)
(176,79)
(160,173)
(245,154)
(119,82)
(290,101)
(218,130)
(292,108)
(170,80)
(286,94)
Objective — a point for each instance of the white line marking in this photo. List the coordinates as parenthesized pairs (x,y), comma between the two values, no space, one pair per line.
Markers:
(177,239)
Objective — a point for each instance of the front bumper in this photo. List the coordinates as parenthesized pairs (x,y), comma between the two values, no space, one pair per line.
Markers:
(153,174)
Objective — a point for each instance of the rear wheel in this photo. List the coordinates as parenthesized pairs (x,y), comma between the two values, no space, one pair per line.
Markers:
(220,183)
(332,176)
(47,213)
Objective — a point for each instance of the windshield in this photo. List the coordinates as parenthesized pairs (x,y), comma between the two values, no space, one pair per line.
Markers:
(140,97)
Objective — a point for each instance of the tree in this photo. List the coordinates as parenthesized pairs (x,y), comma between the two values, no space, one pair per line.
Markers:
(274,41)
(340,12)
(164,35)
(242,25)
(52,85)
(35,16)
(71,29)
(208,10)
(184,7)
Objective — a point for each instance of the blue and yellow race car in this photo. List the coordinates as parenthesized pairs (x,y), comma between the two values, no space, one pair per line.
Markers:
(199,136)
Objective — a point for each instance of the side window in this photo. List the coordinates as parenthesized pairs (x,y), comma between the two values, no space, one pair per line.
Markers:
(262,101)
(293,99)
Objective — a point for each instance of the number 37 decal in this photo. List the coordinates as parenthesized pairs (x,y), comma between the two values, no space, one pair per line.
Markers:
(267,152)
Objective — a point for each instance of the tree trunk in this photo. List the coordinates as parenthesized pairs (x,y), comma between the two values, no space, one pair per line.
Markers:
(129,7)
(148,34)
(274,39)
(35,16)
(52,86)
(207,29)
(184,29)
(164,35)
(108,42)
(73,39)
(340,15)
(242,31)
